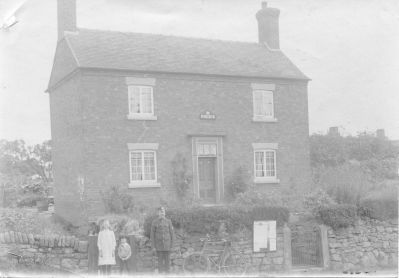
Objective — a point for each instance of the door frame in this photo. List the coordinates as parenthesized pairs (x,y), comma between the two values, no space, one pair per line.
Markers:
(219,164)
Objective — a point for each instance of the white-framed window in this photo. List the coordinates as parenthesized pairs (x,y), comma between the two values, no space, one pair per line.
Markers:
(141,101)
(263,104)
(143,165)
(265,162)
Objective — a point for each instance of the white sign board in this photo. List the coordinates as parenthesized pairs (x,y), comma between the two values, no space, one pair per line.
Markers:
(264,236)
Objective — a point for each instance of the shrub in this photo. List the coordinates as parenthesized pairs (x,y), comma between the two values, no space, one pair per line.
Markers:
(118,200)
(381,205)
(29,200)
(315,200)
(253,197)
(346,184)
(338,216)
(237,182)
(203,220)
(181,177)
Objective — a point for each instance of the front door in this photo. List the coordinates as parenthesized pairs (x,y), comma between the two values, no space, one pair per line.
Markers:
(207,179)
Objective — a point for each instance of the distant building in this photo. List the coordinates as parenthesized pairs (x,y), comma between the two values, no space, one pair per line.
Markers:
(124,105)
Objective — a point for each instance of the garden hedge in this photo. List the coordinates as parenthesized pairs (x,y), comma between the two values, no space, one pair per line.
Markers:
(203,220)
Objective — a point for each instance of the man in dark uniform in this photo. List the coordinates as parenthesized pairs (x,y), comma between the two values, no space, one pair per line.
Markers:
(162,237)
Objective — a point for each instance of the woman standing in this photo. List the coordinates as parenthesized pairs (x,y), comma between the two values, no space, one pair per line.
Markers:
(106,248)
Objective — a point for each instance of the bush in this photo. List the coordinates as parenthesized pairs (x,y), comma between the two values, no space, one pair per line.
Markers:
(346,184)
(381,205)
(238,183)
(253,197)
(203,220)
(30,200)
(338,216)
(117,199)
(315,200)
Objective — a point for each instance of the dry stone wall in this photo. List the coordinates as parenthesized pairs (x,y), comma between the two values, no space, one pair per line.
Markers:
(60,252)
(186,245)
(369,245)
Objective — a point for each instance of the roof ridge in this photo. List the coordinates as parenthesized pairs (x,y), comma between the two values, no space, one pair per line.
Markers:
(173,36)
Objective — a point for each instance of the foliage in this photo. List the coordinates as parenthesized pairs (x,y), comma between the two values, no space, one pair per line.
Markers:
(381,204)
(338,216)
(30,200)
(29,221)
(203,220)
(252,197)
(346,184)
(16,158)
(376,156)
(237,183)
(24,169)
(181,177)
(118,200)
(315,200)
(327,150)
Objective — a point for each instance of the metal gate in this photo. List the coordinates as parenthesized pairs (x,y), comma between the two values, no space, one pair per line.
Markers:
(306,247)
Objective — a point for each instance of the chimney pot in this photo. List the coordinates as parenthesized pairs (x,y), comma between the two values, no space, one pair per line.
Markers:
(264,5)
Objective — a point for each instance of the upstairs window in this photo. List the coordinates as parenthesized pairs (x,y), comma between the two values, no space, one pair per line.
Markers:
(141,100)
(263,104)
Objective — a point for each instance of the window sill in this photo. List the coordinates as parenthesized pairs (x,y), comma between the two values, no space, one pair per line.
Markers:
(144,184)
(142,117)
(264,119)
(266,180)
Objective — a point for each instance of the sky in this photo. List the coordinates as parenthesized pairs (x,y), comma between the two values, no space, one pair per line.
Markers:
(349,48)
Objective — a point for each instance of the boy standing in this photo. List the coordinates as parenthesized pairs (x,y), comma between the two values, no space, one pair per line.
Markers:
(124,253)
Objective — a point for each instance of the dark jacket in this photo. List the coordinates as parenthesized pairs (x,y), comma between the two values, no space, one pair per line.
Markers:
(162,234)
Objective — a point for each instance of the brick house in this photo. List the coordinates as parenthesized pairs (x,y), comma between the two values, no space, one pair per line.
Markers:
(125,105)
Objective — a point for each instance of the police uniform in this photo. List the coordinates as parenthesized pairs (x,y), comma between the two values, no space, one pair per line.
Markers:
(162,237)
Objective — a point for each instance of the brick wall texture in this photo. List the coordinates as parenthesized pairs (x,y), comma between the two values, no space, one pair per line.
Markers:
(90,132)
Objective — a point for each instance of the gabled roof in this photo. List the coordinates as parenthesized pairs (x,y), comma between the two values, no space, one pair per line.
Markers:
(159,53)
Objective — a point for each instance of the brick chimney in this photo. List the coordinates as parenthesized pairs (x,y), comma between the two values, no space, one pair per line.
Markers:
(66,16)
(268,27)
(333,131)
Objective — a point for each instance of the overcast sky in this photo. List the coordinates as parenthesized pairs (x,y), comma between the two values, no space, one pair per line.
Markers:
(349,48)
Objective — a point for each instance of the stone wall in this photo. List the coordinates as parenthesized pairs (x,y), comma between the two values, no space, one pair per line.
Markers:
(184,246)
(60,252)
(371,244)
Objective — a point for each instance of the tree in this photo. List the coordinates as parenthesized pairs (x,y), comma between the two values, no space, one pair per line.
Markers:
(20,162)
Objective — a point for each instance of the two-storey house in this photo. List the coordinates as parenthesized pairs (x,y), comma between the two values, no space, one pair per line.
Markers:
(124,105)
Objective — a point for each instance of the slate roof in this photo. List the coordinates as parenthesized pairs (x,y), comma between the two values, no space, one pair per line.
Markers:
(160,53)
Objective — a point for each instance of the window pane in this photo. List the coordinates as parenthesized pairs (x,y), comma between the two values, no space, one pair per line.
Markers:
(270,165)
(213,149)
(206,149)
(146,96)
(134,99)
(259,160)
(200,150)
(135,162)
(258,103)
(149,166)
(268,103)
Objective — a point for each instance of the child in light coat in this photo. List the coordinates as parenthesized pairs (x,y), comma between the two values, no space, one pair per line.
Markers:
(106,247)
